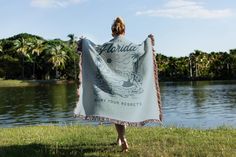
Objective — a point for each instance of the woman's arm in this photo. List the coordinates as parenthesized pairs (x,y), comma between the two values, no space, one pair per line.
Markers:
(151,36)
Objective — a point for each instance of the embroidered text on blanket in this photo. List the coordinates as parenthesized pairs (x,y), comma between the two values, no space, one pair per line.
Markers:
(110,48)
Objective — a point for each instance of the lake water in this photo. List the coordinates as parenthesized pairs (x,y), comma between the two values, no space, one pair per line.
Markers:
(204,104)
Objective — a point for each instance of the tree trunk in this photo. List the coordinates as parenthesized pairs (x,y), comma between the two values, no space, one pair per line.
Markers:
(23,68)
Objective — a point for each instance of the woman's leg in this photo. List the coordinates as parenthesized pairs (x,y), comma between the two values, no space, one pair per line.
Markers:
(121,131)
(121,136)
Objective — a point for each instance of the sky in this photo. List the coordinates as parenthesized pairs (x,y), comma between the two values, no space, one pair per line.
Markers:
(179,26)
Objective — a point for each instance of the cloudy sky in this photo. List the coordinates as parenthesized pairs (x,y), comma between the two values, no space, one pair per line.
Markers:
(179,26)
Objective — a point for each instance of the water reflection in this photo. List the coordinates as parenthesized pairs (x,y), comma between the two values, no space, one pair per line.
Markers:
(35,105)
(199,104)
(199,94)
(203,104)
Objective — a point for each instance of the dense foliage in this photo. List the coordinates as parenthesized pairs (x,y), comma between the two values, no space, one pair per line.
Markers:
(27,56)
(198,66)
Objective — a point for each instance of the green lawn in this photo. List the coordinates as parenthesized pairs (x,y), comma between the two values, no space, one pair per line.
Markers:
(85,140)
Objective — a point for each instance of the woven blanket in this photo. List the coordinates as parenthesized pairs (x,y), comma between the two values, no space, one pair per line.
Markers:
(119,83)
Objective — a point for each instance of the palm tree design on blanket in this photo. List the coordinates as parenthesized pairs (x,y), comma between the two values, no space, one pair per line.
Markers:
(123,76)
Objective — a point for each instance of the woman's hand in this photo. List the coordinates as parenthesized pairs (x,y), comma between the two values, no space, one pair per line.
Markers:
(151,36)
(79,44)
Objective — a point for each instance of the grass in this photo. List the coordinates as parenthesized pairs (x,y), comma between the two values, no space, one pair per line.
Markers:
(86,140)
(23,83)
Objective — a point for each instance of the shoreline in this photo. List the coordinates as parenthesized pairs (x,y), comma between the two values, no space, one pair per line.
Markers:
(26,83)
(29,83)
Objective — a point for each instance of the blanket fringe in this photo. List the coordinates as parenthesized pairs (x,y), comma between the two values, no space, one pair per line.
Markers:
(105,119)
(80,74)
(158,92)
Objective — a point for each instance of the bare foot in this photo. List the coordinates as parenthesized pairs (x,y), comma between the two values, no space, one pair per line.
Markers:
(118,141)
(124,145)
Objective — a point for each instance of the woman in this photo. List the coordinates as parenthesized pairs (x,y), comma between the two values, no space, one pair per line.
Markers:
(120,82)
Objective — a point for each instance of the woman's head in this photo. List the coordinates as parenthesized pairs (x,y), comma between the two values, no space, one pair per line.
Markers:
(118,27)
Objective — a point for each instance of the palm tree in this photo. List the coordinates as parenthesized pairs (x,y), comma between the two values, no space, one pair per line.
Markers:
(182,68)
(22,46)
(58,56)
(202,64)
(37,48)
(233,62)
(197,63)
(73,45)
(191,60)
(172,67)
(162,64)
(72,41)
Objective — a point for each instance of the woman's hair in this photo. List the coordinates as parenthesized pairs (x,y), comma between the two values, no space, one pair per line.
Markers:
(118,27)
